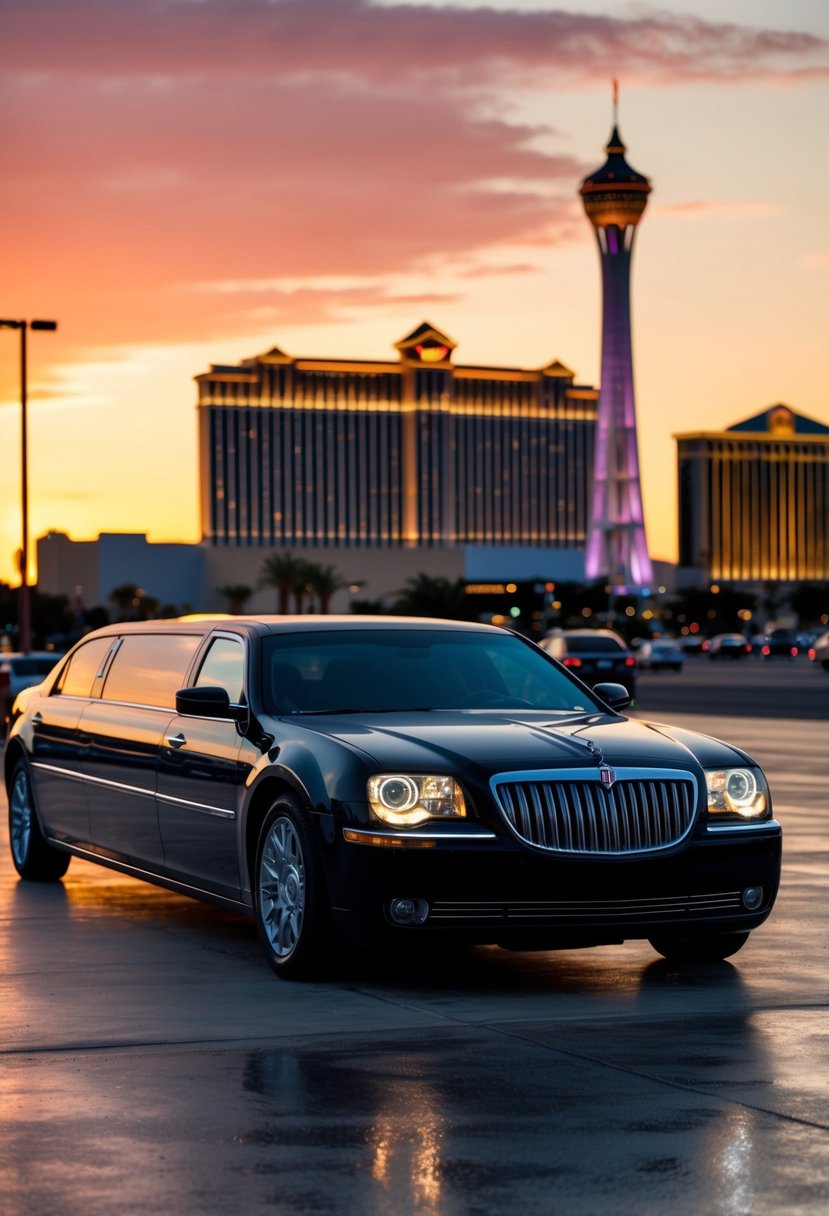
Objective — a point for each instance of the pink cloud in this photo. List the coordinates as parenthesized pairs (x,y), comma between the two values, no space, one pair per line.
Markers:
(152,147)
(389,44)
(120,197)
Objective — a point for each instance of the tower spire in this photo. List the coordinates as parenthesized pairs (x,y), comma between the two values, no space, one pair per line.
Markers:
(615,197)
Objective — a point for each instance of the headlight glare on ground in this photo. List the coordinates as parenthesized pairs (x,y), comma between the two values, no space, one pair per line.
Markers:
(405,800)
(737,791)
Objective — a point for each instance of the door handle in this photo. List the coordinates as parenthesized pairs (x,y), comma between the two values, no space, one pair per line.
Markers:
(176,741)
(37,719)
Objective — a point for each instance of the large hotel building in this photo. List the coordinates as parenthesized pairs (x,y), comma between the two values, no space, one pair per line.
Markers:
(754,499)
(406,453)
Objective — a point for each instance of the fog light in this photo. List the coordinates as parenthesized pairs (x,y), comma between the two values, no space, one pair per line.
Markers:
(752,898)
(408,911)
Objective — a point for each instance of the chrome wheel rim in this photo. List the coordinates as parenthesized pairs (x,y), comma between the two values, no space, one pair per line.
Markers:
(21,818)
(282,887)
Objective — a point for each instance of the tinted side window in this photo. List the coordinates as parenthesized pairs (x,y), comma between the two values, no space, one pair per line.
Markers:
(79,675)
(224,667)
(150,668)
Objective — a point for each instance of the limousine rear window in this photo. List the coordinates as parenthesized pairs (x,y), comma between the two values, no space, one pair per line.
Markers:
(149,668)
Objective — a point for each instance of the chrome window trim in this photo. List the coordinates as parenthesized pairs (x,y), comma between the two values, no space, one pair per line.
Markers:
(160,709)
(139,791)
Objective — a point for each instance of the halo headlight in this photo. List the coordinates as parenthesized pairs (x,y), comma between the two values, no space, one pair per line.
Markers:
(738,791)
(405,800)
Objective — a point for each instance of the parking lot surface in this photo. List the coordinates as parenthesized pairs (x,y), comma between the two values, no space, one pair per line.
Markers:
(150,1062)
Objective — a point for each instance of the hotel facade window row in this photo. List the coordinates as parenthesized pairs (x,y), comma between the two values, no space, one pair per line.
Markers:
(420,451)
(754,500)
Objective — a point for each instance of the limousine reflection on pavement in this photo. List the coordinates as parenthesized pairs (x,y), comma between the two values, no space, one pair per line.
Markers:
(368,778)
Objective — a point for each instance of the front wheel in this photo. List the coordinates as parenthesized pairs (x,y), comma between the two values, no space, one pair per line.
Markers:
(292,913)
(699,947)
(33,857)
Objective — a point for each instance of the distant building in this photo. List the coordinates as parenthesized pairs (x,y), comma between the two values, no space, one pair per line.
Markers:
(88,571)
(408,453)
(754,499)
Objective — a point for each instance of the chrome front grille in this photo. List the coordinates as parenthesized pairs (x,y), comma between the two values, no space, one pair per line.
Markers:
(642,810)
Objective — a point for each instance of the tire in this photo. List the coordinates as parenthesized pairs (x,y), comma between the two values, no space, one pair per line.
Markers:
(33,858)
(700,947)
(292,912)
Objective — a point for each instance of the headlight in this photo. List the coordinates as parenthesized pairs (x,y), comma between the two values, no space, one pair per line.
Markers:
(404,800)
(738,791)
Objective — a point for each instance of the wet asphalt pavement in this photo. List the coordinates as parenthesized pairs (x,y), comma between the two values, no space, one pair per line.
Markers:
(151,1063)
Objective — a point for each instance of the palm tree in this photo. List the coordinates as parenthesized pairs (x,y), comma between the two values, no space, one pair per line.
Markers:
(133,603)
(303,586)
(125,598)
(324,581)
(237,595)
(425,595)
(282,571)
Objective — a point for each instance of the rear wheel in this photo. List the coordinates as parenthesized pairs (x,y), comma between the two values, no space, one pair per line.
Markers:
(292,914)
(699,947)
(33,857)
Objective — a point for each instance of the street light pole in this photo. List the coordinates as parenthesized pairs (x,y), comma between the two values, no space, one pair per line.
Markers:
(24,603)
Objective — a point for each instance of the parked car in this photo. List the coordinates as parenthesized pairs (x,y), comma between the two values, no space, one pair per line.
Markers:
(780,642)
(728,646)
(19,671)
(594,655)
(692,645)
(662,654)
(819,652)
(353,778)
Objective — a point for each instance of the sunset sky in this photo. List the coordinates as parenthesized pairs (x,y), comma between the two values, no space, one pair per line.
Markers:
(194,181)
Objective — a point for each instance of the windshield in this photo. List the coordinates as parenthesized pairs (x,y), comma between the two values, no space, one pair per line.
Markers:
(388,670)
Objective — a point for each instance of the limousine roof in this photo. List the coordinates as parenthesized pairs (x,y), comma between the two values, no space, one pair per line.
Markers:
(203,623)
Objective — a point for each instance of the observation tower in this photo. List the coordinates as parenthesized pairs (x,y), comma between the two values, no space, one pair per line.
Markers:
(615,197)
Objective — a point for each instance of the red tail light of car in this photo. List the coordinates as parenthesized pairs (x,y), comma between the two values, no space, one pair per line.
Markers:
(747,648)
(767,650)
(630,661)
(571,661)
(812,653)
(794,652)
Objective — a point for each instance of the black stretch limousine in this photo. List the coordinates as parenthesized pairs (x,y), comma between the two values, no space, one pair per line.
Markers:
(347,779)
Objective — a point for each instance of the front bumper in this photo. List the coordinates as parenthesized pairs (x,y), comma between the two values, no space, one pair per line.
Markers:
(496,890)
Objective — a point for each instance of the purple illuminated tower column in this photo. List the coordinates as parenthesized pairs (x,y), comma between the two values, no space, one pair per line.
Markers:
(614,198)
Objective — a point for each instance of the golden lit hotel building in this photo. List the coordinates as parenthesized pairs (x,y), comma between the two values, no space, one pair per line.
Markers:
(416,451)
(754,499)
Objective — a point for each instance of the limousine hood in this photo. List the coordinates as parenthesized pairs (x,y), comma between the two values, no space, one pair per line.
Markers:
(450,740)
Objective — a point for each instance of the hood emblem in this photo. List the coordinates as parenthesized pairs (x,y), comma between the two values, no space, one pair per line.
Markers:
(607,775)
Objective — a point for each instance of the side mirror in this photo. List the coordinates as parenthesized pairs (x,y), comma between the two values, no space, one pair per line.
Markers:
(614,695)
(208,701)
